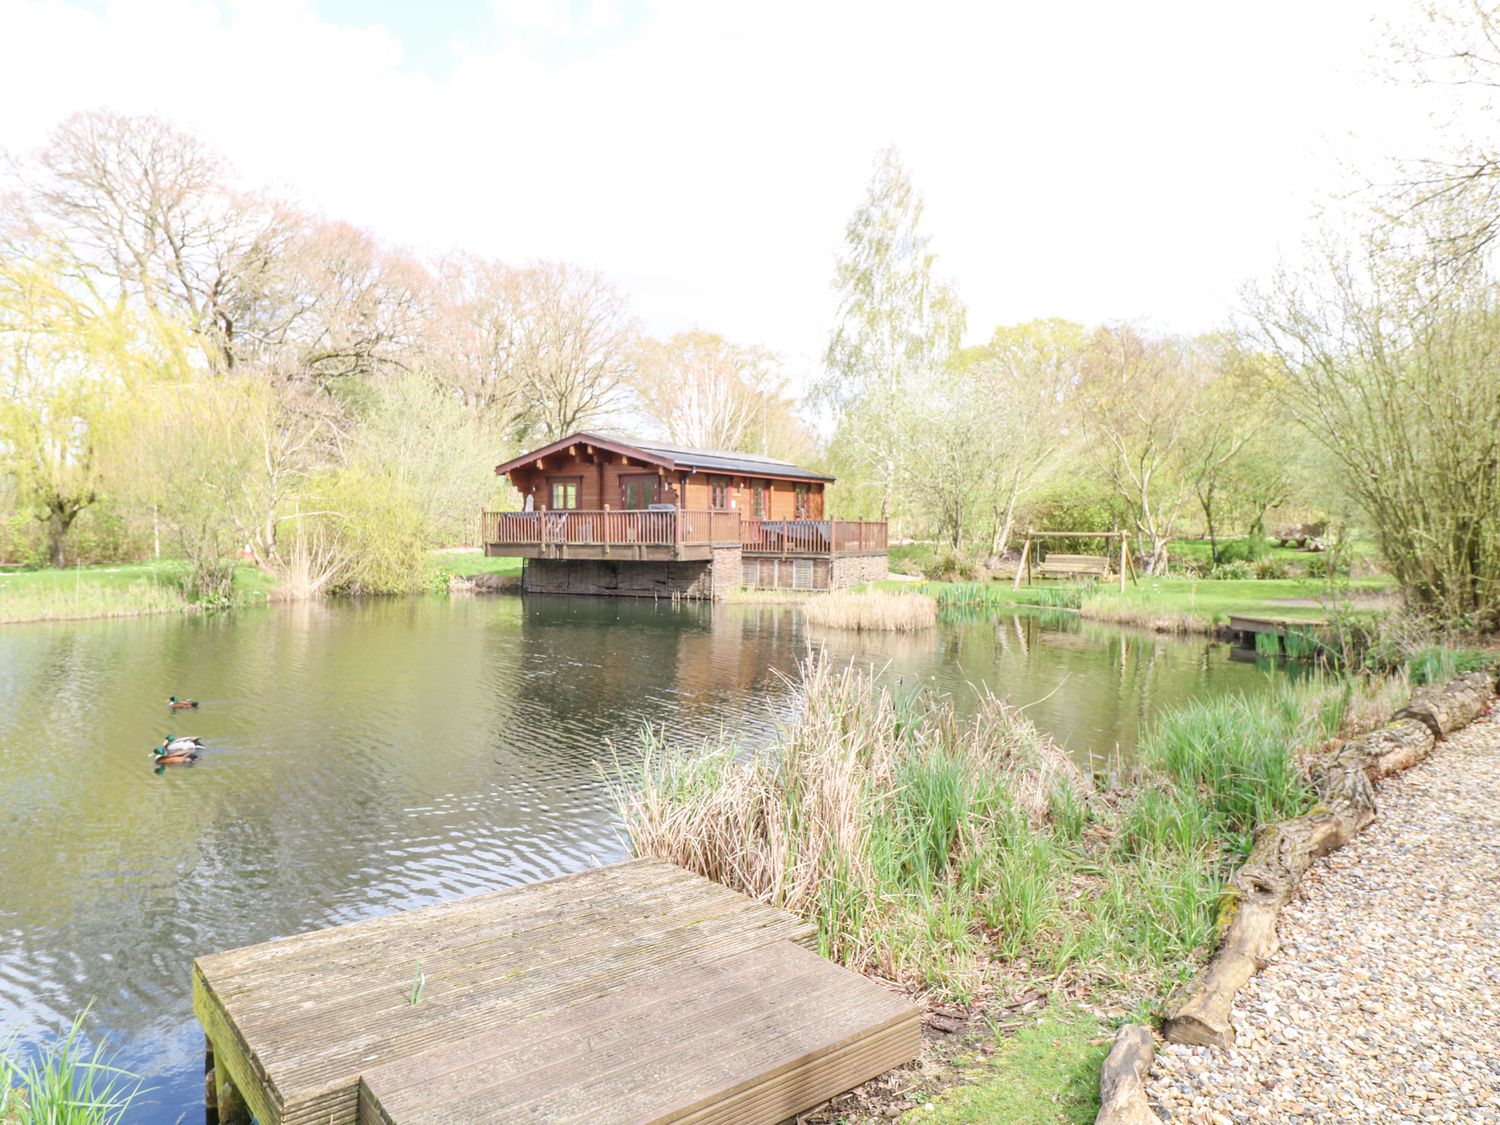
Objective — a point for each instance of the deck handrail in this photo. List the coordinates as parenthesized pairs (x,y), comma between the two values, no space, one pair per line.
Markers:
(813,537)
(661,527)
(634,527)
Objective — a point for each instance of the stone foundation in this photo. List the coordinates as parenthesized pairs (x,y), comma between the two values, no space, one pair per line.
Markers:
(707,580)
(856,570)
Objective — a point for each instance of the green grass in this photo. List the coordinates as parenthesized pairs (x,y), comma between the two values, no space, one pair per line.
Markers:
(66,1084)
(468,564)
(1198,605)
(1046,1071)
(912,558)
(111,590)
(136,589)
(1436,664)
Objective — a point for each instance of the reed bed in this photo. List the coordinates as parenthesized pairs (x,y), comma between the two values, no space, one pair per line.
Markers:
(954,852)
(872,611)
(65,1084)
(62,603)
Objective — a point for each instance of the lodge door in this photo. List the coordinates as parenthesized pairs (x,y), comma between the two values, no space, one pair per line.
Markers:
(640,490)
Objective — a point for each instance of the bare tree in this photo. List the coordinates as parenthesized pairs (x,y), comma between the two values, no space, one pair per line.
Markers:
(572,356)
(702,391)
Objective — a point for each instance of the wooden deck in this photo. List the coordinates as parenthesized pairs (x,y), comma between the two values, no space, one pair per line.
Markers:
(633,993)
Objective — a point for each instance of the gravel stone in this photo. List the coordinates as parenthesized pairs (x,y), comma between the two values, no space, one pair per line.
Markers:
(1384,1002)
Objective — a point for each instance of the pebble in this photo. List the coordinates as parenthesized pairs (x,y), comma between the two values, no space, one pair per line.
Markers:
(1384,1002)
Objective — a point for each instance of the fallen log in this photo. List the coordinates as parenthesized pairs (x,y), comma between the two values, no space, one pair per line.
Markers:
(1257,892)
(1122,1090)
(1283,852)
(1398,745)
(1456,704)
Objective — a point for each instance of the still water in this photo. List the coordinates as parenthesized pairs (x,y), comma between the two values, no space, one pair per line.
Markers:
(367,757)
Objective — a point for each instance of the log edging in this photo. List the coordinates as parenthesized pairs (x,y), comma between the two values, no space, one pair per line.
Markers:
(1279,857)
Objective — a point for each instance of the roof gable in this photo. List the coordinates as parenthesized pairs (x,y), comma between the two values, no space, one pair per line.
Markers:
(673,458)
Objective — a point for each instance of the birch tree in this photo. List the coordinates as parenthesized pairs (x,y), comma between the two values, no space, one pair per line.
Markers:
(896,325)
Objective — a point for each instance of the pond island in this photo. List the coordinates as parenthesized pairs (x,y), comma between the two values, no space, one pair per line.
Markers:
(604,516)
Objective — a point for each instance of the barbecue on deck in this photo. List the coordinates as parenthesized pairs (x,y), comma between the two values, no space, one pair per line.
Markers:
(602,515)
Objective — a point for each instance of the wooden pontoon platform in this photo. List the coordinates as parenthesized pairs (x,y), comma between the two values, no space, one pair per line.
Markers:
(633,993)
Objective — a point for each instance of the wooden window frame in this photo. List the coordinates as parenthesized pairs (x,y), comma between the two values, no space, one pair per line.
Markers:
(627,478)
(802,502)
(554,482)
(716,483)
(758,493)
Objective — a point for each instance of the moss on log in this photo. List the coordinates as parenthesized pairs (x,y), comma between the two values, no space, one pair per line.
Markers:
(1122,1091)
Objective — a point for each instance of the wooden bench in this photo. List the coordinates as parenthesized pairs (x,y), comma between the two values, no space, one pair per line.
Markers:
(1074,566)
(633,993)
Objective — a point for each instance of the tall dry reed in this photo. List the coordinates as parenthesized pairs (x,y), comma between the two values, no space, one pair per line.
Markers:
(872,611)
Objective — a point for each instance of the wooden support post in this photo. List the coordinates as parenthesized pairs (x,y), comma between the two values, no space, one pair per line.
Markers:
(231,1106)
(210,1086)
(1021,566)
(1123,563)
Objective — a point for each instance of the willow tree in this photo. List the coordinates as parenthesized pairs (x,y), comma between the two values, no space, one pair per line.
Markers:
(897,325)
(67,367)
(1390,357)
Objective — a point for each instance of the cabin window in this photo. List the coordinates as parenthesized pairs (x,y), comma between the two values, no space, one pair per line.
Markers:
(564,492)
(639,490)
(804,501)
(719,489)
(758,500)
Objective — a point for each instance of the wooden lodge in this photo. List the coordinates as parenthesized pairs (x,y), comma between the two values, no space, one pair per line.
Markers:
(602,515)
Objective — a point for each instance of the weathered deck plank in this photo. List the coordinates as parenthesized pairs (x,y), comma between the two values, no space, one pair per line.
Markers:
(639,992)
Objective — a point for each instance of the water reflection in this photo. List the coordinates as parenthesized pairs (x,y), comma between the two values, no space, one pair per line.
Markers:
(364,758)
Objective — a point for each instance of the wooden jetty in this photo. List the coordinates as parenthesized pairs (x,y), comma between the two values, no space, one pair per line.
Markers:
(638,992)
(1245,626)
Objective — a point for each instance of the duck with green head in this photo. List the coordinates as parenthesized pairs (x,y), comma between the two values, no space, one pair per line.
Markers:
(182,704)
(179,753)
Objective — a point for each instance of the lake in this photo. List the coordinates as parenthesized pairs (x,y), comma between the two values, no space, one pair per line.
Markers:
(364,757)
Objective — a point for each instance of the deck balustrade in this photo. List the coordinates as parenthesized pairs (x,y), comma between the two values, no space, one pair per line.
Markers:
(687,528)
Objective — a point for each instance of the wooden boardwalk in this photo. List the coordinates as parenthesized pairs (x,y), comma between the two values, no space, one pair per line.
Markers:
(633,993)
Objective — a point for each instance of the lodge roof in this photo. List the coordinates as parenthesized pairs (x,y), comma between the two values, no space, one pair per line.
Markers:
(675,457)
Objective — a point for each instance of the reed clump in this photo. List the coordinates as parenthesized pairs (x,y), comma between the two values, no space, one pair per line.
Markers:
(905,831)
(954,850)
(68,1083)
(873,611)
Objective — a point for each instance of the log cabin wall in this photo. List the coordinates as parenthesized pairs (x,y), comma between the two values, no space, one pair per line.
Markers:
(601,483)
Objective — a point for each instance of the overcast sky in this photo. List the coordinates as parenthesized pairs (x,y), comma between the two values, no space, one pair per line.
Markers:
(1098,161)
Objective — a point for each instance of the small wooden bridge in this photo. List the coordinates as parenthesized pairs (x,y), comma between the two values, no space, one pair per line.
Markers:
(633,993)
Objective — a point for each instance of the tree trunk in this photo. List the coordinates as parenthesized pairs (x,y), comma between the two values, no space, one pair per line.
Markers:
(60,517)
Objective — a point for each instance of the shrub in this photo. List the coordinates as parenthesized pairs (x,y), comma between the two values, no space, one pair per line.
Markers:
(1238,569)
(1248,550)
(1270,567)
(950,567)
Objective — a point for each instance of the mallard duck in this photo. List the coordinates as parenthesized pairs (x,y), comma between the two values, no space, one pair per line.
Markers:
(163,757)
(171,744)
(181,704)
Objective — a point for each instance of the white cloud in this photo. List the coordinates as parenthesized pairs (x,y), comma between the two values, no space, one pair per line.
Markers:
(1095,160)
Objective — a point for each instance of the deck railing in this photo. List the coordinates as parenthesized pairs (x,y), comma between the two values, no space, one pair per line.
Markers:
(659,528)
(812,537)
(648,528)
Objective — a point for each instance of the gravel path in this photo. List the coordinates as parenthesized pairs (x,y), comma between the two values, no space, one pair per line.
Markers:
(1384,1003)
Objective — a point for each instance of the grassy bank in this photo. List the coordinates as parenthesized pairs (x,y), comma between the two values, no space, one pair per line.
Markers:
(137,589)
(112,590)
(1172,605)
(965,858)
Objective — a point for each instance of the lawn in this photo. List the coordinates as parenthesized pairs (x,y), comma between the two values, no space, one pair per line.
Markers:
(111,590)
(1046,1071)
(135,589)
(468,564)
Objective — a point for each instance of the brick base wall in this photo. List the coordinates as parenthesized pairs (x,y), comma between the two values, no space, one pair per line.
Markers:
(698,580)
(856,570)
